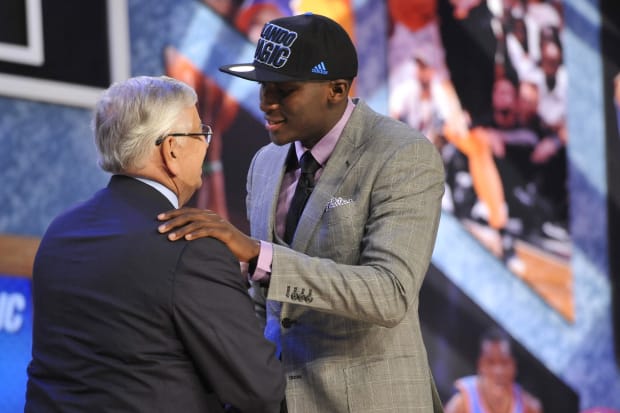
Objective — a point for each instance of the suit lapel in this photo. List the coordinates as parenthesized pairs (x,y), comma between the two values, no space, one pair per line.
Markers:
(266,198)
(347,153)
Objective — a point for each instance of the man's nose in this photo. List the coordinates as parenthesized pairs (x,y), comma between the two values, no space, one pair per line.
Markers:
(268,97)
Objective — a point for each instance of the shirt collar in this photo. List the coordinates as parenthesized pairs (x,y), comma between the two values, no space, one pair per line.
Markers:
(171,196)
(324,147)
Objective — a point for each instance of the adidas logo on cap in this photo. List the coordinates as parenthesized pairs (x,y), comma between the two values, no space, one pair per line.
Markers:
(320,69)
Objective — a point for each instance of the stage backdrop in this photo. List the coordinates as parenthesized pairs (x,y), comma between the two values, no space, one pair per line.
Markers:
(555,300)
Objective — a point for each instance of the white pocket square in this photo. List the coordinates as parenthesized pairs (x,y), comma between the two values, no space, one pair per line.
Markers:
(337,202)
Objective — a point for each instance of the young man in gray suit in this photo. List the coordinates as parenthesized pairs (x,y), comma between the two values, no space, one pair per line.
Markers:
(339,289)
(124,320)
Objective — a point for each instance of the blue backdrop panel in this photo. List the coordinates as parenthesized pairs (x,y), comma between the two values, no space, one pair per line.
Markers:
(15,340)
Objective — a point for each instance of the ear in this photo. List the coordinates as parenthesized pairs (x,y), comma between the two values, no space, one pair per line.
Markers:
(339,89)
(169,157)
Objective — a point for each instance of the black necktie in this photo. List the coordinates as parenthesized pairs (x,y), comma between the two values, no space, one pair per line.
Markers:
(304,188)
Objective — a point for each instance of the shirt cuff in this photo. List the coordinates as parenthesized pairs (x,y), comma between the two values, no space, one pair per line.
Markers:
(263,265)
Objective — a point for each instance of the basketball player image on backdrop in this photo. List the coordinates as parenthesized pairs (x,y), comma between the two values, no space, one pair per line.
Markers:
(493,389)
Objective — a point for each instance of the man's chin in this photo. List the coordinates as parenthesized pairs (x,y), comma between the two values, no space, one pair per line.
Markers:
(278,139)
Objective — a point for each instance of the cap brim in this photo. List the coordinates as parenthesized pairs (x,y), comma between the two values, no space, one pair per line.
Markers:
(249,71)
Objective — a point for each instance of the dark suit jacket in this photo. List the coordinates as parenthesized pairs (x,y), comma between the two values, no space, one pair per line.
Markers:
(127,321)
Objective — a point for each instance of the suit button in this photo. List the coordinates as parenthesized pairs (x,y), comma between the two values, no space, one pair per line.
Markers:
(287,323)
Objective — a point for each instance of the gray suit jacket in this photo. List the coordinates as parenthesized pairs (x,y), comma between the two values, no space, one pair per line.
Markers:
(343,300)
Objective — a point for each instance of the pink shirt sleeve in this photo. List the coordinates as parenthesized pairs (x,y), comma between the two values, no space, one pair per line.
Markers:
(263,266)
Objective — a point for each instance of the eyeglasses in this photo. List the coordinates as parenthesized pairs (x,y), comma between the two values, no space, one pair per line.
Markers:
(206,134)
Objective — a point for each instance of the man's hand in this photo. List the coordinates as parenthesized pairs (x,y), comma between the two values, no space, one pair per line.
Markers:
(193,223)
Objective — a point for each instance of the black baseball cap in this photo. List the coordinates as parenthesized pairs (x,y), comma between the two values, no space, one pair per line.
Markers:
(300,48)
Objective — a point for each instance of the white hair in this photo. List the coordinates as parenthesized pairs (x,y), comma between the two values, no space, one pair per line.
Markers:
(131,115)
